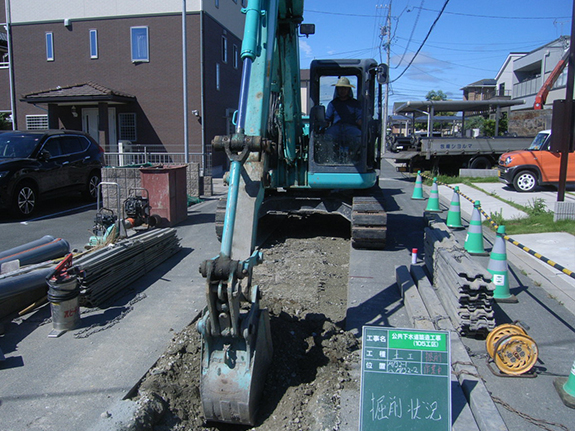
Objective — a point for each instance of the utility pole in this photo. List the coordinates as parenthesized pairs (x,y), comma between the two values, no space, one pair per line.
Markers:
(386,32)
(567,146)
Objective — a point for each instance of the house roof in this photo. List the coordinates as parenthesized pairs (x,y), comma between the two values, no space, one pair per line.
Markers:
(86,92)
(488,82)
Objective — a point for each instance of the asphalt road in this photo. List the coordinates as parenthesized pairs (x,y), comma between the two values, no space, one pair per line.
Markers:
(174,293)
(70,218)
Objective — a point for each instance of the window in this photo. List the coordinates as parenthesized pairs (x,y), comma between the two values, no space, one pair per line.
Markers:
(5,62)
(218,76)
(236,56)
(139,42)
(36,122)
(127,126)
(49,46)
(53,147)
(72,144)
(93,43)
(224,49)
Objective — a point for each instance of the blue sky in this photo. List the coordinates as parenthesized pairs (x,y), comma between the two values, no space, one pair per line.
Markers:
(469,42)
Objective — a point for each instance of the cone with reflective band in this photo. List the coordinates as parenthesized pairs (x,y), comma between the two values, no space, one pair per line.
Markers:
(565,387)
(474,238)
(569,385)
(433,201)
(498,266)
(418,190)
(454,213)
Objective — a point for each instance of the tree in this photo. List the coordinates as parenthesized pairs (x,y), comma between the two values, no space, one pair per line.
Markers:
(5,123)
(436,95)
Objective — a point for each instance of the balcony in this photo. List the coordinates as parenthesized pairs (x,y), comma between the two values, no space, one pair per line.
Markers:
(529,87)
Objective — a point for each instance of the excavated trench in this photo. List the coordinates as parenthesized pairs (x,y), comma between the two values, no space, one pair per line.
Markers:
(304,280)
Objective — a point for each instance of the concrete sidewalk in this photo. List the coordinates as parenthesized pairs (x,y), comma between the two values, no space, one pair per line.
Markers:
(558,247)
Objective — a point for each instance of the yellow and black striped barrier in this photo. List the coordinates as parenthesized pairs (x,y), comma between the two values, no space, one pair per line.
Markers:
(511,240)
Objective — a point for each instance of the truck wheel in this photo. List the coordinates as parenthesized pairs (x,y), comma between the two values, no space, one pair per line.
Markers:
(525,181)
(480,163)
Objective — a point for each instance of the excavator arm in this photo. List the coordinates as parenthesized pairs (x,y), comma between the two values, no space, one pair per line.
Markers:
(236,339)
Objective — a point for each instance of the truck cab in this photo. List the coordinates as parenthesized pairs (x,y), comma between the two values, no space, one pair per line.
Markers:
(537,165)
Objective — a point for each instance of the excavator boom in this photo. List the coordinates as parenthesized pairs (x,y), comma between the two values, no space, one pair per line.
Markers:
(275,164)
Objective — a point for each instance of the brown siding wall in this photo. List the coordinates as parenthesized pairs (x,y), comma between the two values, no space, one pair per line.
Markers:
(227,97)
(157,85)
(5,89)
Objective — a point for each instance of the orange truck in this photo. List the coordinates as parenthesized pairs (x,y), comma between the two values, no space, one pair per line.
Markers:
(537,165)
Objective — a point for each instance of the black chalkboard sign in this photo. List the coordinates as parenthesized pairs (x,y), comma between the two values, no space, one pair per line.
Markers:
(405,380)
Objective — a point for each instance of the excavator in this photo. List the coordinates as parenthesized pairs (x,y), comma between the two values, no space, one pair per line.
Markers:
(281,162)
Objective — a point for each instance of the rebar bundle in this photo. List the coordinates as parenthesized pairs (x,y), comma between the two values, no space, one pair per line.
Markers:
(107,271)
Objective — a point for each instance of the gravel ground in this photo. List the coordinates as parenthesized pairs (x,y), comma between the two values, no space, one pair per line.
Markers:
(304,281)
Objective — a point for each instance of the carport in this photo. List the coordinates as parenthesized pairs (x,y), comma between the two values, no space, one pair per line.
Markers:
(471,107)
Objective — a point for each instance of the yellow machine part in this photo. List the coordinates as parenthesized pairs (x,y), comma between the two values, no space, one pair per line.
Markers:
(500,332)
(515,354)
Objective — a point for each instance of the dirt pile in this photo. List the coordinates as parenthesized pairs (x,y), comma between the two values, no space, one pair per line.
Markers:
(304,283)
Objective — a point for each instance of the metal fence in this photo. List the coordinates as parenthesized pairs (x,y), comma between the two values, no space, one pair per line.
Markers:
(117,159)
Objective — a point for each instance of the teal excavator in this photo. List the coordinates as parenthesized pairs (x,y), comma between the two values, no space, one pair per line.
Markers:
(281,161)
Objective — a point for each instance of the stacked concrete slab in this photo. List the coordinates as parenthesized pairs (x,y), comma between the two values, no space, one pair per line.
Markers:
(463,286)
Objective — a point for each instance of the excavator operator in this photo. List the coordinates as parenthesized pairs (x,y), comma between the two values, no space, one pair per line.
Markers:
(344,117)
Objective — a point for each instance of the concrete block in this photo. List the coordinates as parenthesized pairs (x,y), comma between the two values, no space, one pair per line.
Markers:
(414,305)
(478,173)
(564,211)
(193,179)
(126,178)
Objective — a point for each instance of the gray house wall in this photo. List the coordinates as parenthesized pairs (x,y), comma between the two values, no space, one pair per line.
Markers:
(532,70)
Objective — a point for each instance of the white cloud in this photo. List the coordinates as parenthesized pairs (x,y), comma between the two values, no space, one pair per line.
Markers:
(424,67)
(305,48)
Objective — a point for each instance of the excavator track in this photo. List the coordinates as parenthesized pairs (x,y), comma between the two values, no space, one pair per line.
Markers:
(368,222)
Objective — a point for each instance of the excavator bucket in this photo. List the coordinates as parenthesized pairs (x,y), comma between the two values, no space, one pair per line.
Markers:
(233,373)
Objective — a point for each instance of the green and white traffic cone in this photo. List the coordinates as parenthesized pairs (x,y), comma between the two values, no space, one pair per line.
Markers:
(454,214)
(418,190)
(474,239)
(566,388)
(497,266)
(433,201)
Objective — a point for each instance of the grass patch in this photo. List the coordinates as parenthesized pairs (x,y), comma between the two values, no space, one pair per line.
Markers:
(539,220)
(446,179)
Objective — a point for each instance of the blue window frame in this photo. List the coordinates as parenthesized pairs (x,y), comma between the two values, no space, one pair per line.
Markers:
(93,43)
(49,46)
(139,43)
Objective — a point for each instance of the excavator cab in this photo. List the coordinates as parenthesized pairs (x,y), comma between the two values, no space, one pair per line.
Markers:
(343,134)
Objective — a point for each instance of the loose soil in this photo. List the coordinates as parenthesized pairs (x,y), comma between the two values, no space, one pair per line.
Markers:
(304,280)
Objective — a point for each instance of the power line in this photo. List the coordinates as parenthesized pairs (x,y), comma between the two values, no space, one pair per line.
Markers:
(410,36)
(424,40)
(451,13)
(500,17)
